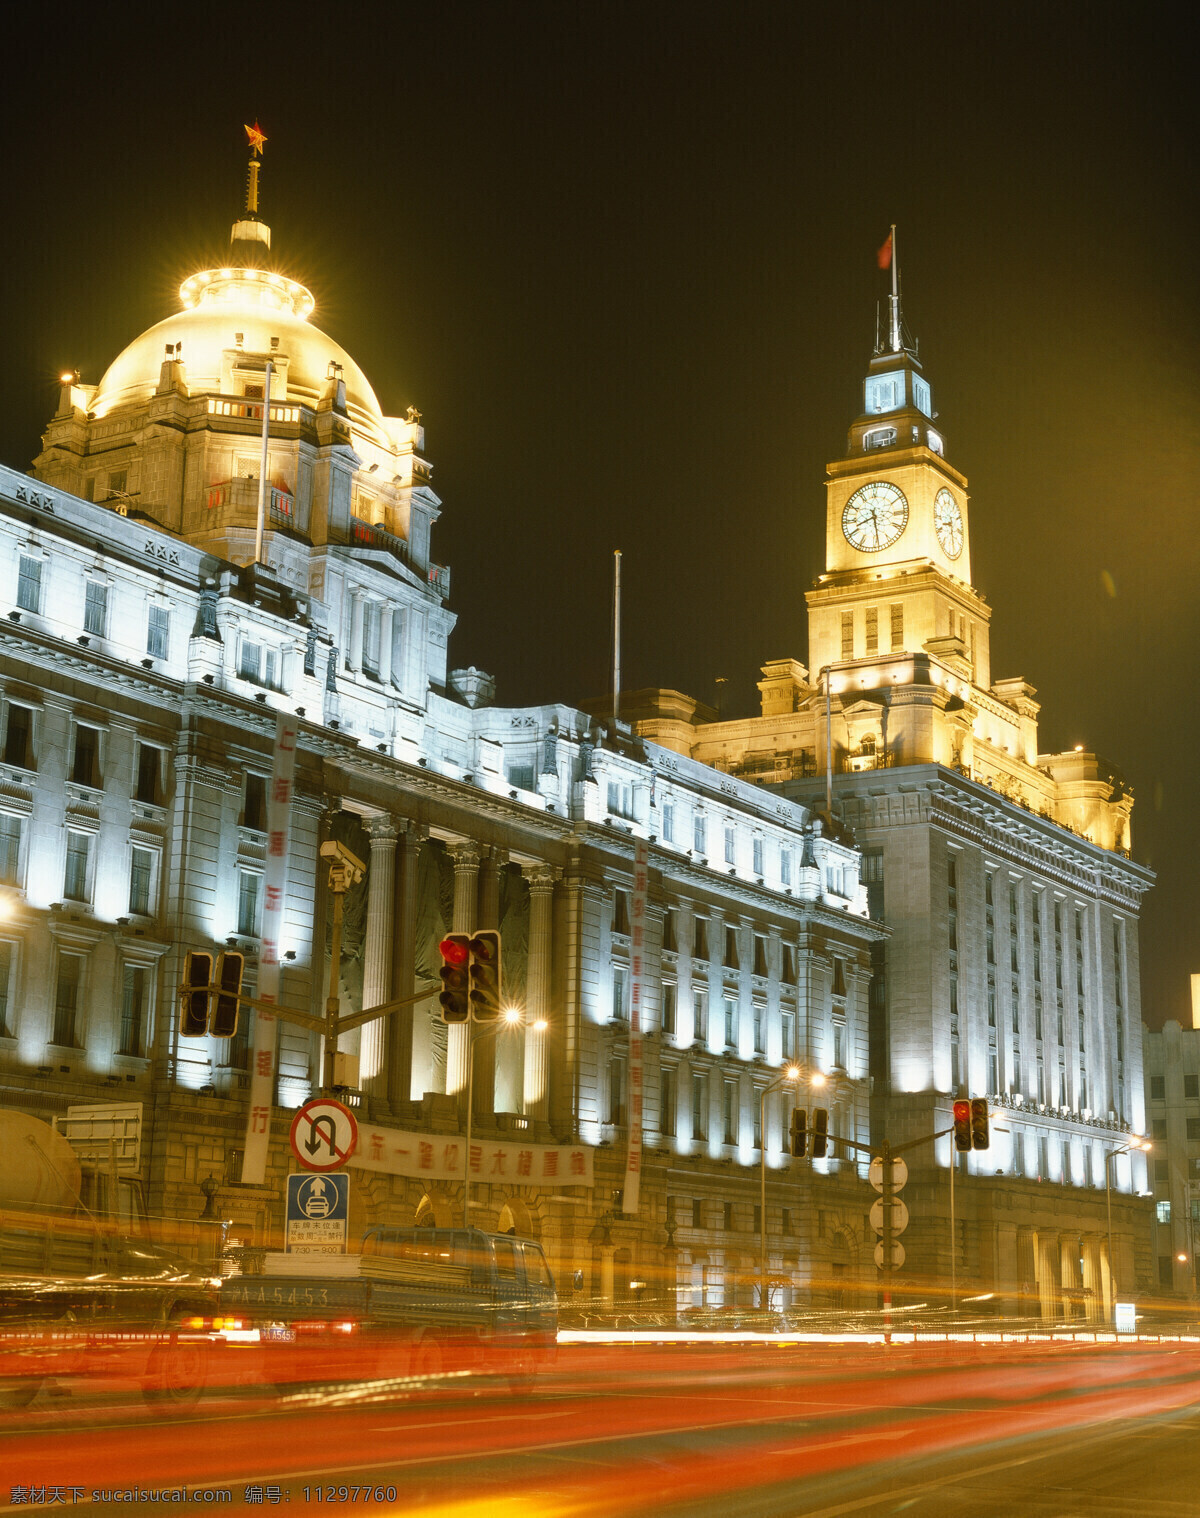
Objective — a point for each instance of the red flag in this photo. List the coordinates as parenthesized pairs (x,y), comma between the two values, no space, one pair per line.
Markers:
(884,256)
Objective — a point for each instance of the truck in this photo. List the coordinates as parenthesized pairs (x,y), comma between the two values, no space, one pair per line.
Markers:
(85,1292)
(410,1303)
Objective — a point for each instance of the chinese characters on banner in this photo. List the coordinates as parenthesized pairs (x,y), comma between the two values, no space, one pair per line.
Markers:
(262,1058)
(443,1157)
(637,950)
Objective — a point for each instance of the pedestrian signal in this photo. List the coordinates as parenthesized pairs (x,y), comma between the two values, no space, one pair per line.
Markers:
(820,1135)
(485,976)
(980,1137)
(962,1126)
(799,1132)
(223,1011)
(197,979)
(455,951)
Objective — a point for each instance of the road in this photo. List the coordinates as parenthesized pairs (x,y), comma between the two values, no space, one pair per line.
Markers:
(764,1432)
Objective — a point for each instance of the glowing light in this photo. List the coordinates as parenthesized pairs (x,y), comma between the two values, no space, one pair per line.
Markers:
(1079,748)
(792,1072)
(817,1080)
(541,1025)
(512,1015)
(66,378)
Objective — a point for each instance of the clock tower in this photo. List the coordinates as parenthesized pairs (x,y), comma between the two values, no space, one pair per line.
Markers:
(897,575)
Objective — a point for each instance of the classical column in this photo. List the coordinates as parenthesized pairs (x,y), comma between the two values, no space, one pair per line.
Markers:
(537,988)
(1049,1274)
(466,855)
(503,1052)
(354,648)
(489,888)
(377,955)
(1069,1251)
(403,1044)
(1093,1283)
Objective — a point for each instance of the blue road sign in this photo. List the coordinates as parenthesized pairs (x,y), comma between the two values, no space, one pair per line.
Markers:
(318,1213)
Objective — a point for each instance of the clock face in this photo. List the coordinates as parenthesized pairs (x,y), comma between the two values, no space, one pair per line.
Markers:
(875,516)
(947,519)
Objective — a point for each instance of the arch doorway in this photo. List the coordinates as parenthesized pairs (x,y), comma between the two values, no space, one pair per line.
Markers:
(515,1217)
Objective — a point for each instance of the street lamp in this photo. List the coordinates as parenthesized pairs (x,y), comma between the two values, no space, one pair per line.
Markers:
(509,1018)
(1133,1144)
(792,1073)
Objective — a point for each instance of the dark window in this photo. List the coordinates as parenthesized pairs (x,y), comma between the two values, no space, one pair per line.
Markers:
(700,1016)
(29,584)
(760,955)
(254,810)
(134,1006)
(75,881)
(730,961)
(66,1000)
(699,1105)
(669,930)
(1191,1086)
(1158,1088)
(141,874)
(158,632)
(1193,1123)
(1164,1271)
(621,912)
(697,1213)
(616,1092)
(668,1006)
(149,774)
(732,1114)
(85,769)
(700,944)
(95,608)
(10,849)
(6,958)
(666,1119)
(727,1216)
(248,903)
(17,741)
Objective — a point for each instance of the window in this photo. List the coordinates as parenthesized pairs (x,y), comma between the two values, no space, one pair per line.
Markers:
(730,1022)
(158,632)
(727,1216)
(18,739)
(117,481)
(697,1213)
(1162,1211)
(1193,1128)
(897,627)
(785,1220)
(700,835)
(6,961)
(758,856)
(668,822)
(879,437)
(254,803)
(668,1006)
(66,1001)
(787,971)
(1158,1088)
(149,775)
(785,866)
(730,961)
(1191,1087)
(759,1011)
(135,1006)
(670,931)
(29,584)
(95,608)
(10,849)
(372,620)
(872,626)
(620,923)
(839,1044)
(620,799)
(730,846)
(85,766)
(839,977)
(141,876)
(700,938)
(235,1052)
(618,996)
(847,635)
(616,1092)
(250,665)
(666,1102)
(699,1106)
(247,914)
(993,1071)
(760,955)
(700,1016)
(730,1112)
(75,882)
(787,1028)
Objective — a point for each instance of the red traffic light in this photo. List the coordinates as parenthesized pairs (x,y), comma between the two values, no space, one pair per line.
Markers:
(962,1126)
(455,949)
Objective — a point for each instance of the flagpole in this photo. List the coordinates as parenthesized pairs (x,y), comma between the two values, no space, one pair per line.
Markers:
(616,635)
(895,294)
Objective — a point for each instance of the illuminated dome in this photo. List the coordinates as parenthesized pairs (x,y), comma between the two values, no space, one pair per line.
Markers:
(230,309)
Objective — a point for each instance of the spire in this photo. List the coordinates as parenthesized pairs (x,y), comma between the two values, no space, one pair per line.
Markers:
(249,230)
(898,340)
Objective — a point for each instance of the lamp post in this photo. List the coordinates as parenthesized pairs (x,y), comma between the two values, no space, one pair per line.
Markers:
(792,1073)
(1129,1148)
(510,1019)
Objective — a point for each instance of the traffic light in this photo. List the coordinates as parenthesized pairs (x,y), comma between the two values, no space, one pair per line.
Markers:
(223,1012)
(455,951)
(799,1132)
(485,976)
(197,977)
(980,1138)
(820,1136)
(962,1126)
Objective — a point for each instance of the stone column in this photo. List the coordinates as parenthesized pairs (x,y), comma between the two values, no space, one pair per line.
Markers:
(354,648)
(503,1048)
(466,855)
(537,989)
(377,955)
(1093,1282)
(402,1045)
(385,645)
(1069,1253)
(1049,1272)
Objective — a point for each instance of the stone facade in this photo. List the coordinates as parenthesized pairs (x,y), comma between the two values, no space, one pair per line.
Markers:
(1172,1060)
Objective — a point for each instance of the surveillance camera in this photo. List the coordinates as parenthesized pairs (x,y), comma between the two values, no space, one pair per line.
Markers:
(334,850)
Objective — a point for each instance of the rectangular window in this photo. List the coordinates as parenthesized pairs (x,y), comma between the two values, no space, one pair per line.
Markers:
(730,1110)
(66,1001)
(700,1016)
(700,938)
(839,1044)
(618,996)
(670,932)
(250,664)
(1158,1088)
(1191,1087)
(158,632)
(759,1011)
(134,1007)
(787,1026)
(730,850)
(117,481)
(668,1006)
(18,739)
(6,959)
(993,1072)
(149,775)
(141,875)
(699,1106)
(756,1116)
(1193,1129)
(731,961)
(95,608)
(872,623)
(758,856)
(29,584)
(247,915)
(235,1051)
(372,620)
(727,1216)
(785,866)
(760,955)
(897,627)
(85,765)
(616,1092)
(668,822)
(10,849)
(75,882)
(730,1022)
(1162,1212)
(254,803)
(697,1213)
(699,835)
(666,1103)
(847,635)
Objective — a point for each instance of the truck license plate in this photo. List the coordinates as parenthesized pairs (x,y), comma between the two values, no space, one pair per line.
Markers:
(280,1335)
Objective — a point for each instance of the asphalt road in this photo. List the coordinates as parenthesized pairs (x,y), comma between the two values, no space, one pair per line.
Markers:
(762,1433)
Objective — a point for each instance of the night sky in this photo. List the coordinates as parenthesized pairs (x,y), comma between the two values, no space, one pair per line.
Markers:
(622,259)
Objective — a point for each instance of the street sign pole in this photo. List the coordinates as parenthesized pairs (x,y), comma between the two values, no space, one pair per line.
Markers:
(888,1237)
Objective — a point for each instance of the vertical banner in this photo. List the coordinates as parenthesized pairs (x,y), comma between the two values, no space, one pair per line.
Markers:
(263,1054)
(637,950)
